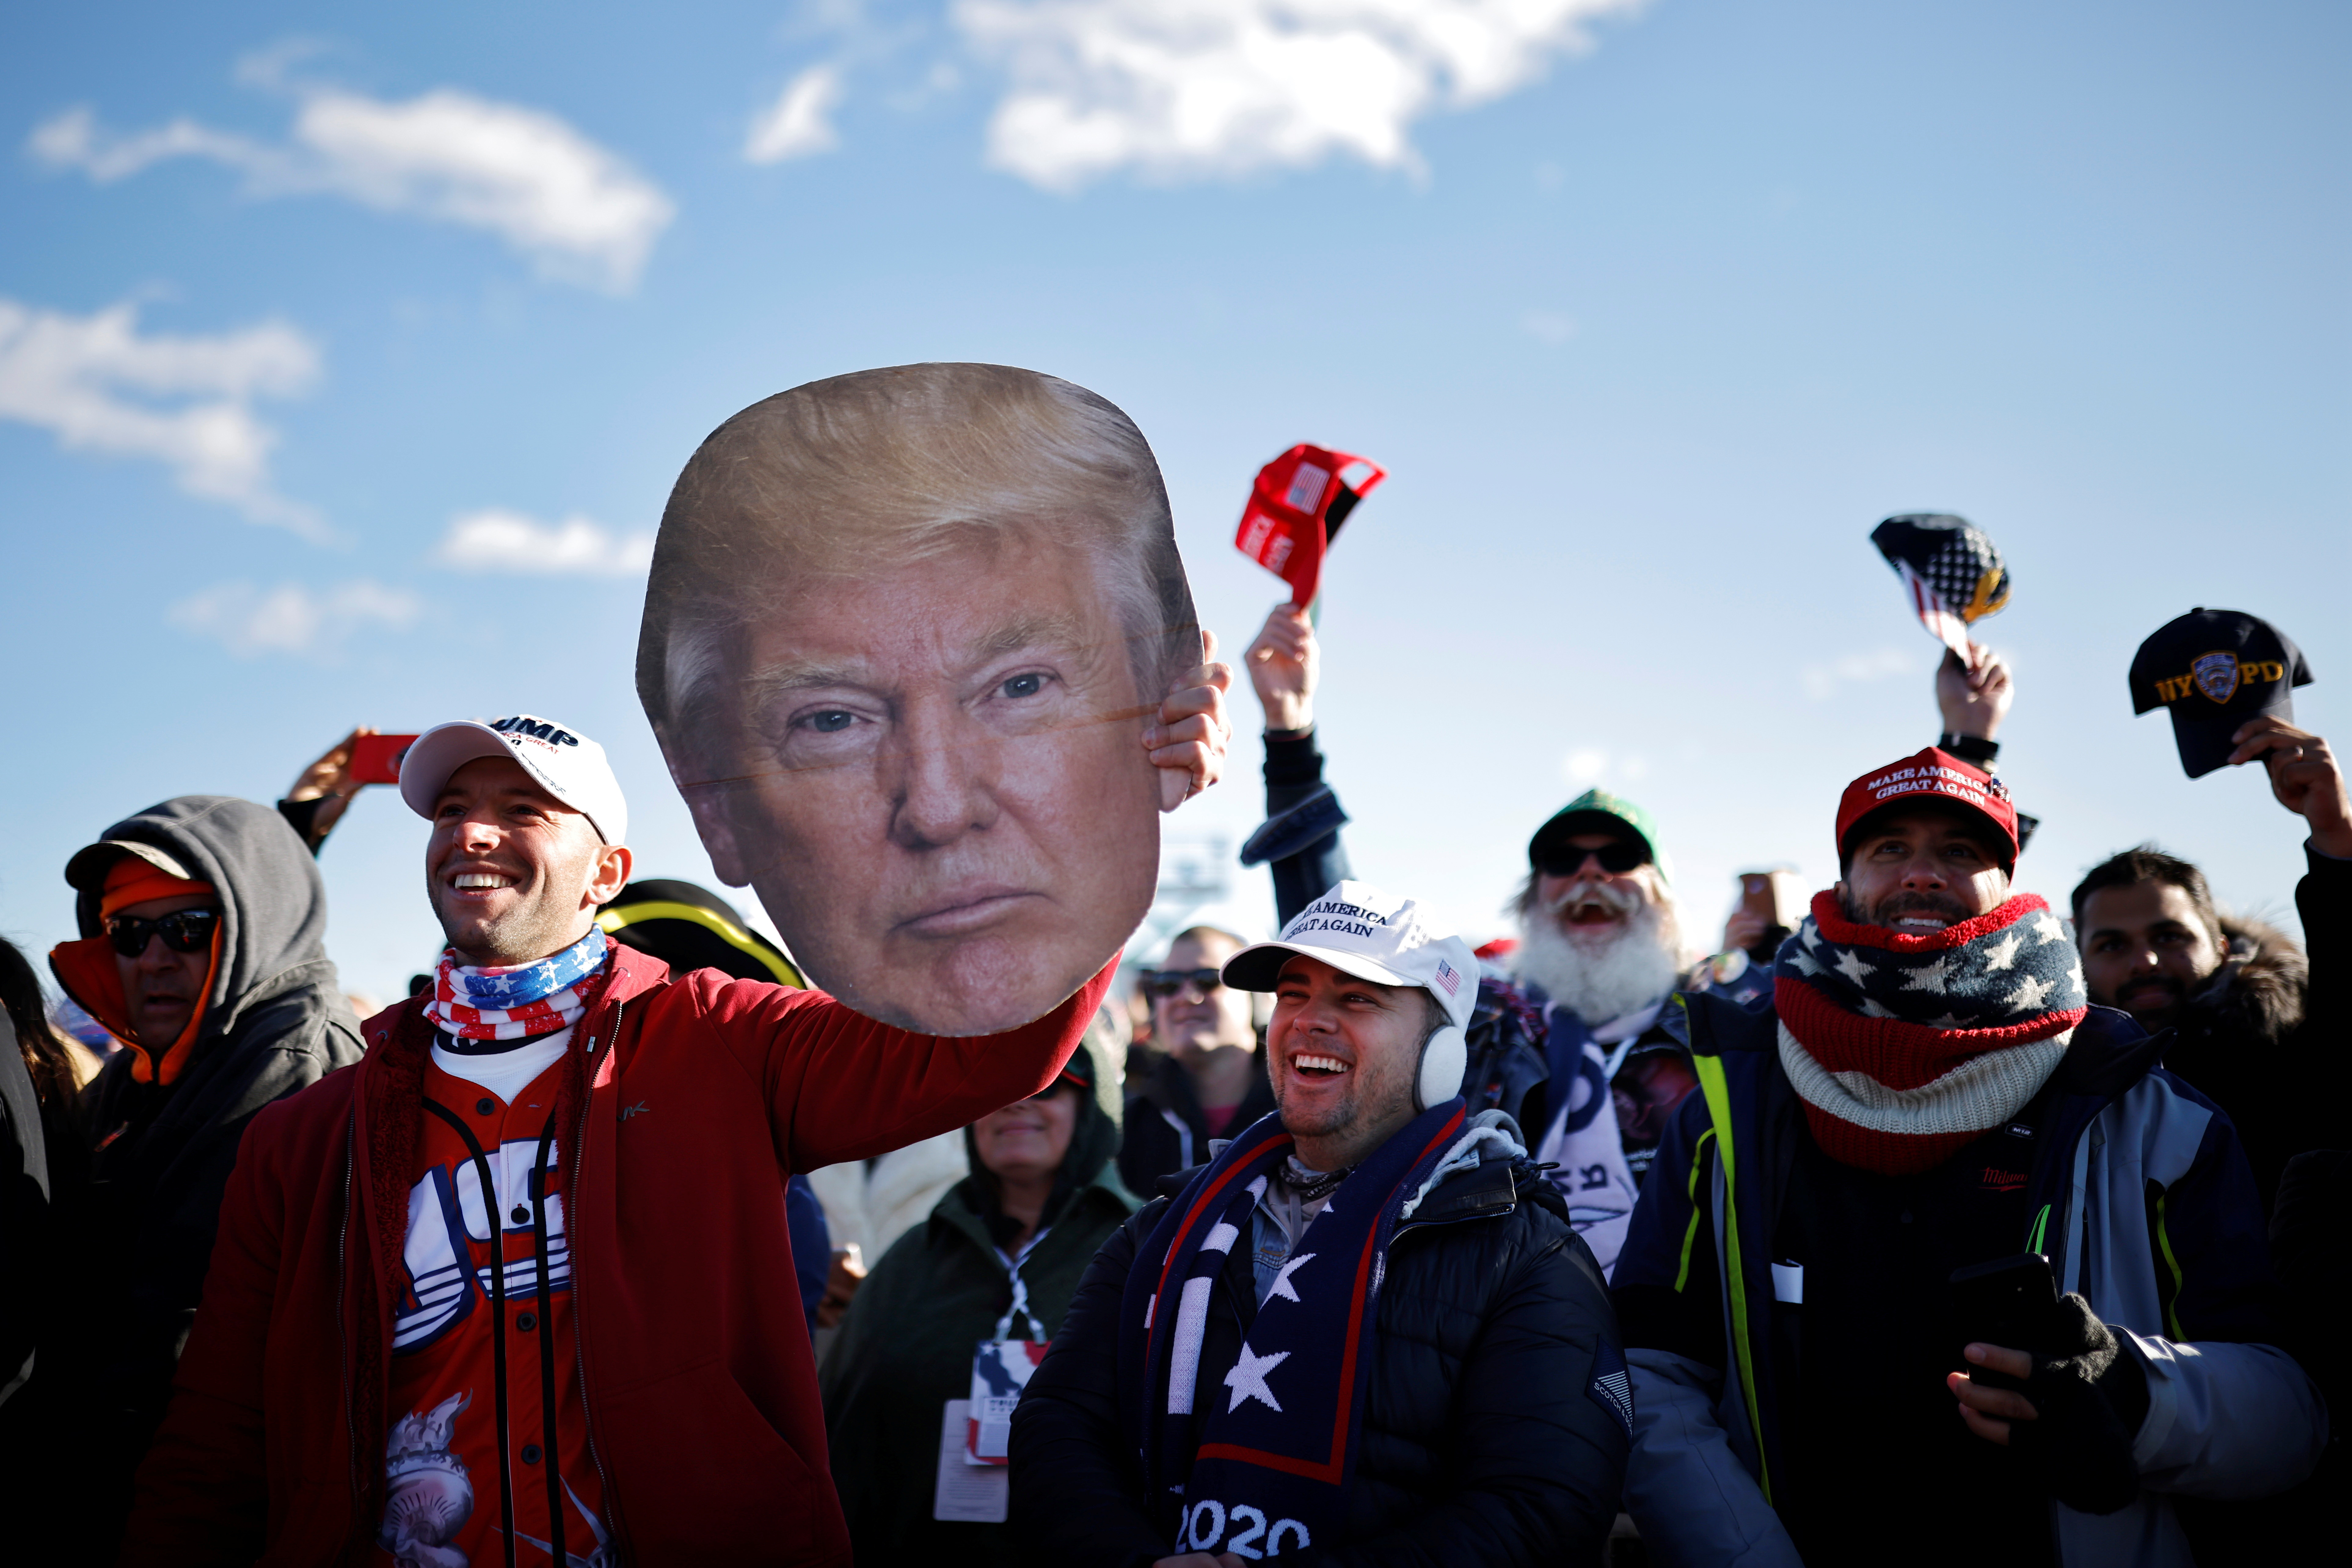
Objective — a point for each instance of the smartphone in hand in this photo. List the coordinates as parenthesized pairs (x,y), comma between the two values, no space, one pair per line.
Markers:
(2008,1301)
(376,759)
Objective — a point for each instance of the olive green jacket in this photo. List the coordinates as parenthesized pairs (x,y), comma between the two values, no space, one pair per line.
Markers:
(905,1348)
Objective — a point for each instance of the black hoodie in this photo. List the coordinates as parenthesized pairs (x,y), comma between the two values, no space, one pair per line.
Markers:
(274,1022)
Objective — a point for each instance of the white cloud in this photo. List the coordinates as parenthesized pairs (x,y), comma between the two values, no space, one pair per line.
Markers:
(576,209)
(1211,89)
(186,402)
(495,540)
(290,618)
(1821,680)
(799,124)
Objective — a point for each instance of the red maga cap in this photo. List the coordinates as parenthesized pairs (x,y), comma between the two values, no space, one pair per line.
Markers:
(1928,774)
(1296,507)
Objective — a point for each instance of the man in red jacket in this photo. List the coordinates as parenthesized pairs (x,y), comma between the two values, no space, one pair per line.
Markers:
(519,1286)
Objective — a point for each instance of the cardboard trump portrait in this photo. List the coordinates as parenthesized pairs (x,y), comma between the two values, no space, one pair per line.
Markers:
(903,634)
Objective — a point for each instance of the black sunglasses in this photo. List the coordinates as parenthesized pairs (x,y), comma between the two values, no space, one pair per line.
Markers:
(182,930)
(1162,983)
(1619,857)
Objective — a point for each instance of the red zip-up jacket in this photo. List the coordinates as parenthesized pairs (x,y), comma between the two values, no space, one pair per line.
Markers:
(685,1104)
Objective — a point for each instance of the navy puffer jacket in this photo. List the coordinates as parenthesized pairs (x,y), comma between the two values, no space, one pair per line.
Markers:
(1481,1444)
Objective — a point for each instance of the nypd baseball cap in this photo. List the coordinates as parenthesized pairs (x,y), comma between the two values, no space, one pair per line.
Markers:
(2215,669)
(1358,929)
(564,762)
(1597,811)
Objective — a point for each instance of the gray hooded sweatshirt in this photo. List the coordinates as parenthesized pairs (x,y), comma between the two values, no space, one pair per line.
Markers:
(275,1023)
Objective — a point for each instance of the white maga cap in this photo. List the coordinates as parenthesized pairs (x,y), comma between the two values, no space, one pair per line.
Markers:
(1361,930)
(564,762)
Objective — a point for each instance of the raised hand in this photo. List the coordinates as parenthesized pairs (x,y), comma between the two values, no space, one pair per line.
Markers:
(1974,697)
(2305,776)
(1284,664)
(329,780)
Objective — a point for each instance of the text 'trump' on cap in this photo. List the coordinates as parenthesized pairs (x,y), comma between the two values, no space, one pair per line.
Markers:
(564,762)
(2216,670)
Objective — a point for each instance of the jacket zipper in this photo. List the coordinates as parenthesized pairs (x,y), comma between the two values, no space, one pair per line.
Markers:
(579,1294)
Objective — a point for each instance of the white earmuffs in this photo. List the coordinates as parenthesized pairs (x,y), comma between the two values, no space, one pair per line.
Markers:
(1444,1056)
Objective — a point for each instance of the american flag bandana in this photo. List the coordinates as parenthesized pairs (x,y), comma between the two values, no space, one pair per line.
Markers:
(518,1000)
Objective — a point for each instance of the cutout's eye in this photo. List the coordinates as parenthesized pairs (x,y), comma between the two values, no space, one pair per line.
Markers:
(1027,685)
(832,721)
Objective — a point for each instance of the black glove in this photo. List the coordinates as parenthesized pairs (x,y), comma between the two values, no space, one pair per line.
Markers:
(2092,1396)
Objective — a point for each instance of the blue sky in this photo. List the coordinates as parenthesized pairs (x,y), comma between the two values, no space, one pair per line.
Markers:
(1652,310)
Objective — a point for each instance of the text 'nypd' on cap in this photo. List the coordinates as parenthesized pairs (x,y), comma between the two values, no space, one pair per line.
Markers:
(2214,670)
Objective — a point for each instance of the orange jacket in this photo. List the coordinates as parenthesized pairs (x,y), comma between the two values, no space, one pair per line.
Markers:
(687,1102)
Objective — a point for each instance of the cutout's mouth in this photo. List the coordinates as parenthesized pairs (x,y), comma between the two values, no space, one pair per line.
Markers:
(966,911)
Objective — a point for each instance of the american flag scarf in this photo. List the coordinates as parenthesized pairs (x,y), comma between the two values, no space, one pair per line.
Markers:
(1906,1048)
(518,1000)
(1255,1459)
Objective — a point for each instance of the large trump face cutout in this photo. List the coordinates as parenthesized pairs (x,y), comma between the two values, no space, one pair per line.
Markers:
(903,634)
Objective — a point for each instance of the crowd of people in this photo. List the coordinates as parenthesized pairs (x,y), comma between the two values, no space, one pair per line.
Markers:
(1919,1220)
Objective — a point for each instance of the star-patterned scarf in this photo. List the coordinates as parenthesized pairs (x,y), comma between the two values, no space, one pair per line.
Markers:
(1906,1048)
(1257,1463)
(517,1001)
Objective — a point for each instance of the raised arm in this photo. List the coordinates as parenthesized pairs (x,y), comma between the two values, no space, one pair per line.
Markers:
(323,792)
(1300,840)
(840,1085)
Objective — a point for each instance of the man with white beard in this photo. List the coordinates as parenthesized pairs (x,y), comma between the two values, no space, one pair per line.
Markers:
(1601,948)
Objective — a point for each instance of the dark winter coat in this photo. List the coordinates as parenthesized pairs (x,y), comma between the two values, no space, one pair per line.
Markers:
(2267,1037)
(274,1022)
(906,1347)
(24,1214)
(2140,1197)
(1479,1445)
(1165,1130)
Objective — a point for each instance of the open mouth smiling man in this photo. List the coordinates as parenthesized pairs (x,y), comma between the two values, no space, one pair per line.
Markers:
(607,1359)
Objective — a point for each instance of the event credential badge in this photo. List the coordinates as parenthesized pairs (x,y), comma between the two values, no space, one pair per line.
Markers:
(1000,1370)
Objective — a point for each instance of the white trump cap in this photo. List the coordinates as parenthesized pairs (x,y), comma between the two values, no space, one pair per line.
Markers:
(564,762)
(1361,930)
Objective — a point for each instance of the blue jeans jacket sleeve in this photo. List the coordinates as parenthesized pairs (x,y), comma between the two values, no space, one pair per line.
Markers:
(1692,1498)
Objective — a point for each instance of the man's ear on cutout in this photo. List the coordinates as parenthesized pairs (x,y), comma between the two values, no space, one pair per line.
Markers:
(710,805)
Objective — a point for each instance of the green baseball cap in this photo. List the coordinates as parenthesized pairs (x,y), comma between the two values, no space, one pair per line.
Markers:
(1597,811)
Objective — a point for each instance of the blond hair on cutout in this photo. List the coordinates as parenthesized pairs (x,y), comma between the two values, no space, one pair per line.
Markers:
(886,467)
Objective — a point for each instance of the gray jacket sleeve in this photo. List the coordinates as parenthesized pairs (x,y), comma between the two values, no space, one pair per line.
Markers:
(2225,1421)
(1694,1502)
